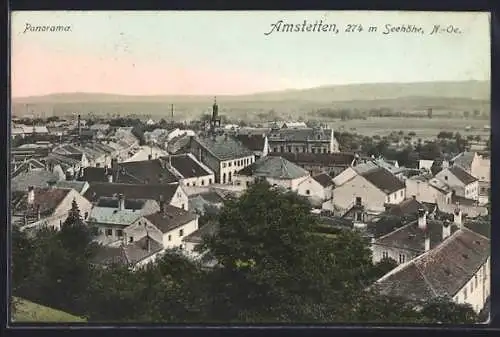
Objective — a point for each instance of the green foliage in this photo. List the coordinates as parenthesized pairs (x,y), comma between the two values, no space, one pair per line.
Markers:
(443,310)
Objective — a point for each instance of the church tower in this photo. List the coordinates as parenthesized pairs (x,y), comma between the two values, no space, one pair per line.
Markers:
(215,121)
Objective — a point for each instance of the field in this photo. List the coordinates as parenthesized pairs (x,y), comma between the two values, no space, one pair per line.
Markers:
(27,311)
(423,127)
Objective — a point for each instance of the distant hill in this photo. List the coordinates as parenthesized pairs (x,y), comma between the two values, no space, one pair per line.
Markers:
(479,90)
(449,97)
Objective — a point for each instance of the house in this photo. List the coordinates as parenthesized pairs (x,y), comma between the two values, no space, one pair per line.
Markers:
(44,178)
(157,171)
(191,171)
(409,208)
(428,189)
(425,164)
(26,166)
(134,255)
(461,182)
(44,207)
(256,143)
(276,171)
(315,163)
(318,187)
(311,140)
(222,154)
(458,268)
(194,239)
(112,215)
(70,166)
(375,187)
(206,200)
(169,225)
(415,238)
(172,194)
(477,164)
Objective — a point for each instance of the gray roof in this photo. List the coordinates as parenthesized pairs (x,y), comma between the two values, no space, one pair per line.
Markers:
(109,215)
(464,160)
(170,218)
(462,175)
(410,237)
(300,135)
(130,254)
(442,271)
(35,178)
(384,180)
(224,148)
(274,167)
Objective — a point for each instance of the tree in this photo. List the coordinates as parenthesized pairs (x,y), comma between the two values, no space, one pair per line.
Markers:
(265,245)
(442,310)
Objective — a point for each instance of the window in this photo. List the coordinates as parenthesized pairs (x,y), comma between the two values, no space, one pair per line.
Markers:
(248,183)
(308,192)
(385,255)
(202,182)
(178,194)
(209,181)
(119,233)
(86,215)
(304,149)
(109,232)
(282,149)
(401,193)
(465,294)
(324,150)
(131,239)
(445,177)
(170,238)
(229,164)
(289,148)
(181,247)
(183,206)
(223,165)
(224,178)
(194,184)
(187,184)
(401,258)
(313,150)
(471,287)
(181,232)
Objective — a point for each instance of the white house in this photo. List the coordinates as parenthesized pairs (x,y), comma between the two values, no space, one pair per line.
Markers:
(276,170)
(192,171)
(319,186)
(428,190)
(169,226)
(464,184)
(425,164)
(376,187)
(479,166)
(458,268)
(45,207)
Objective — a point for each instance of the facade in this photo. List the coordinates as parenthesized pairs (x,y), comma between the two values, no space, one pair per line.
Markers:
(461,182)
(192,171)
(318,187)
(256,143)
(310,140)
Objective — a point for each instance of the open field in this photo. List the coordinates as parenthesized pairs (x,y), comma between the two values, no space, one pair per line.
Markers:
(423,127)
(27,311)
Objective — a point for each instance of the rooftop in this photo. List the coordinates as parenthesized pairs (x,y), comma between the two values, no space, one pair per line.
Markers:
(129,254)
(324,179)
(325,159)
(131,191)
(252,142)
(170,218)
(462,175)
(274,167)
(113,215)
(300,134)
(442,271)
(384,180)
(35,178)
(224,148)
(188,166)
(47,199)
(197,236)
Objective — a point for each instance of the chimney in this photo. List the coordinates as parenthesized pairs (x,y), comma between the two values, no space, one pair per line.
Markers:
(414,197)
(38,216)
(162,203)
(422,219)
(446,229)
(79,126)
(121,202)
(31,195)
(110,177)
(427,241)
(458,216)
(114,164)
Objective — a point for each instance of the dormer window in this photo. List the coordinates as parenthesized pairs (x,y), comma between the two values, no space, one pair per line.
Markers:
(446,178)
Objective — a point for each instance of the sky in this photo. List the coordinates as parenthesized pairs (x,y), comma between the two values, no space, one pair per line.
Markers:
(208,53)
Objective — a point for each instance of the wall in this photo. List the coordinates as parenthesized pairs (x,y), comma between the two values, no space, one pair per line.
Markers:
(172,239)
(313,146)
(425,164)
(229,168)
(396,197)
(83,204)
(471,191)
(334,144)
(180,199)
(344,176)
(372,198)
(454,183)
(199,181)
(473,294)
(314,188)
(424,192)
(481,168)
(150,259)
(397,254)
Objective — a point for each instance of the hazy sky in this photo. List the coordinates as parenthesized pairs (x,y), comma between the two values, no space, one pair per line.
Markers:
(154,53)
